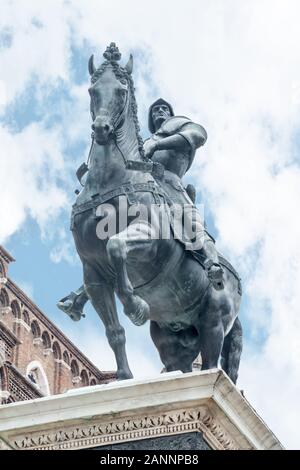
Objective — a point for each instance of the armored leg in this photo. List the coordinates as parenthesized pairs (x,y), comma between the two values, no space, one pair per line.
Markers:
(211,262)
(202,245)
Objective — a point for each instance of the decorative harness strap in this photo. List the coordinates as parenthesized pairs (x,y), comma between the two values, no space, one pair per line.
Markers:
(84,167)
(127,189)
(223,261)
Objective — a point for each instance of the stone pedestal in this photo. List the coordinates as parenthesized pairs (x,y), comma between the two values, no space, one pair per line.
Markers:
(198,410)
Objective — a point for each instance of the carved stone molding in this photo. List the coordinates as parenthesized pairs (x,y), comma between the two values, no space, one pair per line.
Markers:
(5,310)
(170,404)
(4,446)
(47,351)
(62,363)
(76,380)
(4,395)
(23,323)
(37,341)
(126,429)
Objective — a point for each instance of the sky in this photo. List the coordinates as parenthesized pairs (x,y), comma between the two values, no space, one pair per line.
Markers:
(231,66)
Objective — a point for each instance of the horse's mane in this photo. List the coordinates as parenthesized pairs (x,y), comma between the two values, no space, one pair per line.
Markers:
(122,74)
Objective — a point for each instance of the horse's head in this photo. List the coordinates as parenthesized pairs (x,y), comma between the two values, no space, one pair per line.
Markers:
(110,94)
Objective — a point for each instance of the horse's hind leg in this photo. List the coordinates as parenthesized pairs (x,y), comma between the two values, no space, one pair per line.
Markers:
(232,349)
(177,350)
(211,330)
(102,297)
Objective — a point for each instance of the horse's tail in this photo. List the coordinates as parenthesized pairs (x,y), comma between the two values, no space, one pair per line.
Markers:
(232,349)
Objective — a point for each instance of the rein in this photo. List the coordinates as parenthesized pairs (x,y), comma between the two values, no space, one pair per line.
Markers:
(84,167)
(144,166)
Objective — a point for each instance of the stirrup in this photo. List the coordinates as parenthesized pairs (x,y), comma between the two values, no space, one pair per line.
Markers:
(217,279)
(74,313)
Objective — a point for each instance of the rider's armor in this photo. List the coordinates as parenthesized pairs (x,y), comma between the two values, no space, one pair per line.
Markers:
(176,163)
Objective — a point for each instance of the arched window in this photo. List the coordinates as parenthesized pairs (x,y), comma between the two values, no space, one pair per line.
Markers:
(35,329)
(38,377)
(4,300)
(25,315)
(15,308)
(66,358)
(84,378)
(93,382)
(46,340)
(56,350)
(2,381)
(2,270)
(74,369)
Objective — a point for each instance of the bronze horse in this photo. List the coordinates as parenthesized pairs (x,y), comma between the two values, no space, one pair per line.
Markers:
(154,278)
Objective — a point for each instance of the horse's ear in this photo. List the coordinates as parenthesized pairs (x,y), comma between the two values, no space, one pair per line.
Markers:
(92,68)
(129,65)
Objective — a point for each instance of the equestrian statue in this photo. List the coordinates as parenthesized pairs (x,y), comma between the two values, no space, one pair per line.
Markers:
(132,193)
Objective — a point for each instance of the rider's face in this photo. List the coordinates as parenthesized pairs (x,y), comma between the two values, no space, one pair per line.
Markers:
(160,113)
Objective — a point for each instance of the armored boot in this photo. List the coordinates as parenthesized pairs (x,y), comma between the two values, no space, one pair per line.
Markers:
(210,260)
(74,303)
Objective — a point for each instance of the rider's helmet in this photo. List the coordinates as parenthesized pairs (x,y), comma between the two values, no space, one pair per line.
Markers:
(150,119)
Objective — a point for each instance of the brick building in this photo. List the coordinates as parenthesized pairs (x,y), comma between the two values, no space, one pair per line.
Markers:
(36,358)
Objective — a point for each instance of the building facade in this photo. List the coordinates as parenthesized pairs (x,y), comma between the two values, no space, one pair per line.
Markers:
(36,358)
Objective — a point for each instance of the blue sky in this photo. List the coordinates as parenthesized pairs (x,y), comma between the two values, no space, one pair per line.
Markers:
(233,68)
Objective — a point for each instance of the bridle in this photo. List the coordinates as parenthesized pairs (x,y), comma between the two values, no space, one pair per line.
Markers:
(84,167)
(129,164)
(115,126)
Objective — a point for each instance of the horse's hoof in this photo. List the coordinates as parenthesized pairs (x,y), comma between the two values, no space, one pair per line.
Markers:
(137,310)
(124,374)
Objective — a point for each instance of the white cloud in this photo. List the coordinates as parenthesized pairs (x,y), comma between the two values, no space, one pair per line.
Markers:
(231,66)
(3,93)
(30,163)
(64,249)
(40,42)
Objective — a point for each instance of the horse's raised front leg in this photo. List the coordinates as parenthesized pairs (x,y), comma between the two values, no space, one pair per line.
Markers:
(102,297)
(118,247)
